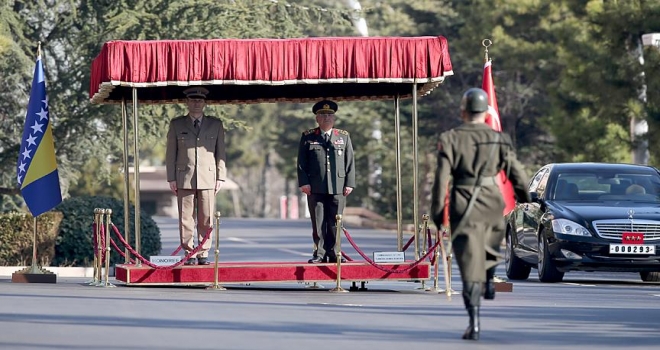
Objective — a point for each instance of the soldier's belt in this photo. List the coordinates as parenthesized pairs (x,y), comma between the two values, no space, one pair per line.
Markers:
(472,181)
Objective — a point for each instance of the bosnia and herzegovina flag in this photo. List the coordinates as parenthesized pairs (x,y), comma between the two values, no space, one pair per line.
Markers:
(37,168)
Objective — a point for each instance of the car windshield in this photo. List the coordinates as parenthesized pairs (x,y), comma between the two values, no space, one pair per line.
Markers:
(607,186)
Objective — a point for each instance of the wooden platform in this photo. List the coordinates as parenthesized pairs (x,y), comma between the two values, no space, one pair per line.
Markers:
(257,272)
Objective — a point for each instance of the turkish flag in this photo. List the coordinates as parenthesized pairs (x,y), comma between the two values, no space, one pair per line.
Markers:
(493,119)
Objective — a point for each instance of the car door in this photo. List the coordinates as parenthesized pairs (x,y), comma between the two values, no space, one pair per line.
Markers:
(532,214)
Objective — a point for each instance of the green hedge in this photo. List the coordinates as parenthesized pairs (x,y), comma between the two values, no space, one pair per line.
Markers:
(17,233)
(74,242)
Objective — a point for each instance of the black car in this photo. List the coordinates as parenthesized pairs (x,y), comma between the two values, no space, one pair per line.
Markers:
(587,217)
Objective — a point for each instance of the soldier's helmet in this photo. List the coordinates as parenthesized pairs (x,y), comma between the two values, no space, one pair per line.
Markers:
(475,100)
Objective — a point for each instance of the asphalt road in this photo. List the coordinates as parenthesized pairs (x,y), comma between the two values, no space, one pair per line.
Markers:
(587,311)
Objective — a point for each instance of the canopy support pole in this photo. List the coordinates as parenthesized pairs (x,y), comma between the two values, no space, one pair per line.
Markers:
(399,206)
(415,171)
(136,172)
(127,184)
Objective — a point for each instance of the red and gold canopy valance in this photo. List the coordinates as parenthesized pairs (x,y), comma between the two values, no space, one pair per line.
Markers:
(269,70)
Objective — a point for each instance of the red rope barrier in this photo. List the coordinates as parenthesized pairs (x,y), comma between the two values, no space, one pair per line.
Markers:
(372,263)
(157,267)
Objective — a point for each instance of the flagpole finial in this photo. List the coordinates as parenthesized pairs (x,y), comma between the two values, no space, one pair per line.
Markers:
(39,49)
(486,43)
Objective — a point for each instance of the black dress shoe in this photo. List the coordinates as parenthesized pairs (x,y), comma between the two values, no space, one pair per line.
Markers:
(190,261)
(316,260)
(333,259)
(202,261)
(472,331)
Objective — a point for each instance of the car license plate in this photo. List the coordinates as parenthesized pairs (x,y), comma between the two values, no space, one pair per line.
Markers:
(632,249)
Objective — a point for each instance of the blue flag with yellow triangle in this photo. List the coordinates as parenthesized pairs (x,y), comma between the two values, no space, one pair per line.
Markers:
(36,171)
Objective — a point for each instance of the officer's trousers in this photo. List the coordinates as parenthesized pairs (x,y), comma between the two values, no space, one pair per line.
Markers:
(204,202)
(323,211)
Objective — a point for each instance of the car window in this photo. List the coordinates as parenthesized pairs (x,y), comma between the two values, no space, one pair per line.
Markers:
(607,186)
(536,180)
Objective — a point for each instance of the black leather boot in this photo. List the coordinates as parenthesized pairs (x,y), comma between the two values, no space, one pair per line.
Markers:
(472,332)
(472,300)
(489,290)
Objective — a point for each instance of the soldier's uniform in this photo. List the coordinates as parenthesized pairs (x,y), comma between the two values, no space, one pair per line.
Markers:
(328,166)
(472,155)
(195,159)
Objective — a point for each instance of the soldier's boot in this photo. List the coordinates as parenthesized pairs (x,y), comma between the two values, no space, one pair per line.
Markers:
(489,290)
(472,299)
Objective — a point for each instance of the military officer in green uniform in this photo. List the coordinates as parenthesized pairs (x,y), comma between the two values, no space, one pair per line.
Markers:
(471,156)
(326,174)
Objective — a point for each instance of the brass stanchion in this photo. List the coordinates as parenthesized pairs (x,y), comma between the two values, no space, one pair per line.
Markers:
(425,225)
(106,283)
(216,273)
(99,269)
(338,288)
(436,265)
(445,269)
(95,248)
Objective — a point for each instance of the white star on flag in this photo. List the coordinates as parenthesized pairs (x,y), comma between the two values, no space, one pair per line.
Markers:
(21,167)
(18,177)
(30,140)
(43,114)
(36,127)
(26,154)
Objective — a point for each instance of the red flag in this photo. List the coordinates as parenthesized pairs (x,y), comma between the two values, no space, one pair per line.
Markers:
(493,119)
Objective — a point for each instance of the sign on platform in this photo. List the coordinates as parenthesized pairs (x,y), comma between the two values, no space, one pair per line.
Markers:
(164,260)
(389,257)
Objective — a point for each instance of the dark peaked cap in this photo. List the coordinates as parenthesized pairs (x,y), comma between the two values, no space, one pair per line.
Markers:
(325,107)
(196,92)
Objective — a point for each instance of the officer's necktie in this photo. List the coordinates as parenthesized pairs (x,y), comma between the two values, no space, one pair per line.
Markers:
(326,138)
(196,124)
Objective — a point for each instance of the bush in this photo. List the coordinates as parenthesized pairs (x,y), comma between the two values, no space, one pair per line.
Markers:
(74,242)
(17,233)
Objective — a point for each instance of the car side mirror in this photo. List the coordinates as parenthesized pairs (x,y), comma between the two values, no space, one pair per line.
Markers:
(535,197)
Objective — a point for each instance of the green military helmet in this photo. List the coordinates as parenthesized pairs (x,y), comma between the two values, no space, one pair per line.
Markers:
(475,100)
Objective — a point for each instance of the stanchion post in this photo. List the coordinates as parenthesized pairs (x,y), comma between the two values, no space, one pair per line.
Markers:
(338,288)
(445,268)
(106,283)
(99,269)
(95,247)
(216,285)
(425,225)
(436,265)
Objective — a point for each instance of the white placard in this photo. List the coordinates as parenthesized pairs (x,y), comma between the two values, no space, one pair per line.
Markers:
(164,260)
(389,257)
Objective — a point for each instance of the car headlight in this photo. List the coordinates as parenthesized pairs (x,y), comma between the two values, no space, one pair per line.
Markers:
(569,227)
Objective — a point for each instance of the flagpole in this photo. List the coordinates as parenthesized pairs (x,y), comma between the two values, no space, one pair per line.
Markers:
(34,273)
(486,43)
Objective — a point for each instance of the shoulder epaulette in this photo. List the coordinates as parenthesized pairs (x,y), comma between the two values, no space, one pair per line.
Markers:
(212,117)
(179,117)
(343,132)
(310,131)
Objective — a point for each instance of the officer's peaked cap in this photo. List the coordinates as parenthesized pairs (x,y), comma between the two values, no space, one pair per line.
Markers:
(325,107)
(196,92)
(475,100)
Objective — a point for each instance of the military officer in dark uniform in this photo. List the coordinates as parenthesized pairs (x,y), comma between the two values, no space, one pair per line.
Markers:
(472,155)
(326,174)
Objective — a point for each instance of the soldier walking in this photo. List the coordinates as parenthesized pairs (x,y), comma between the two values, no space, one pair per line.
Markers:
(472,155)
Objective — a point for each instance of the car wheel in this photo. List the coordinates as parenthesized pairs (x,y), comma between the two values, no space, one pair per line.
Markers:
(516,269)
(546,267)
(650,276)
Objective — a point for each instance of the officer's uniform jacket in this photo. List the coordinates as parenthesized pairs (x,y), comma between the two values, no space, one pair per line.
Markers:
(463,152)
(326,167)
(195,160)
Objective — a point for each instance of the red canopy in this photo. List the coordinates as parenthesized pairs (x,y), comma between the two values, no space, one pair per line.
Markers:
(269,70)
